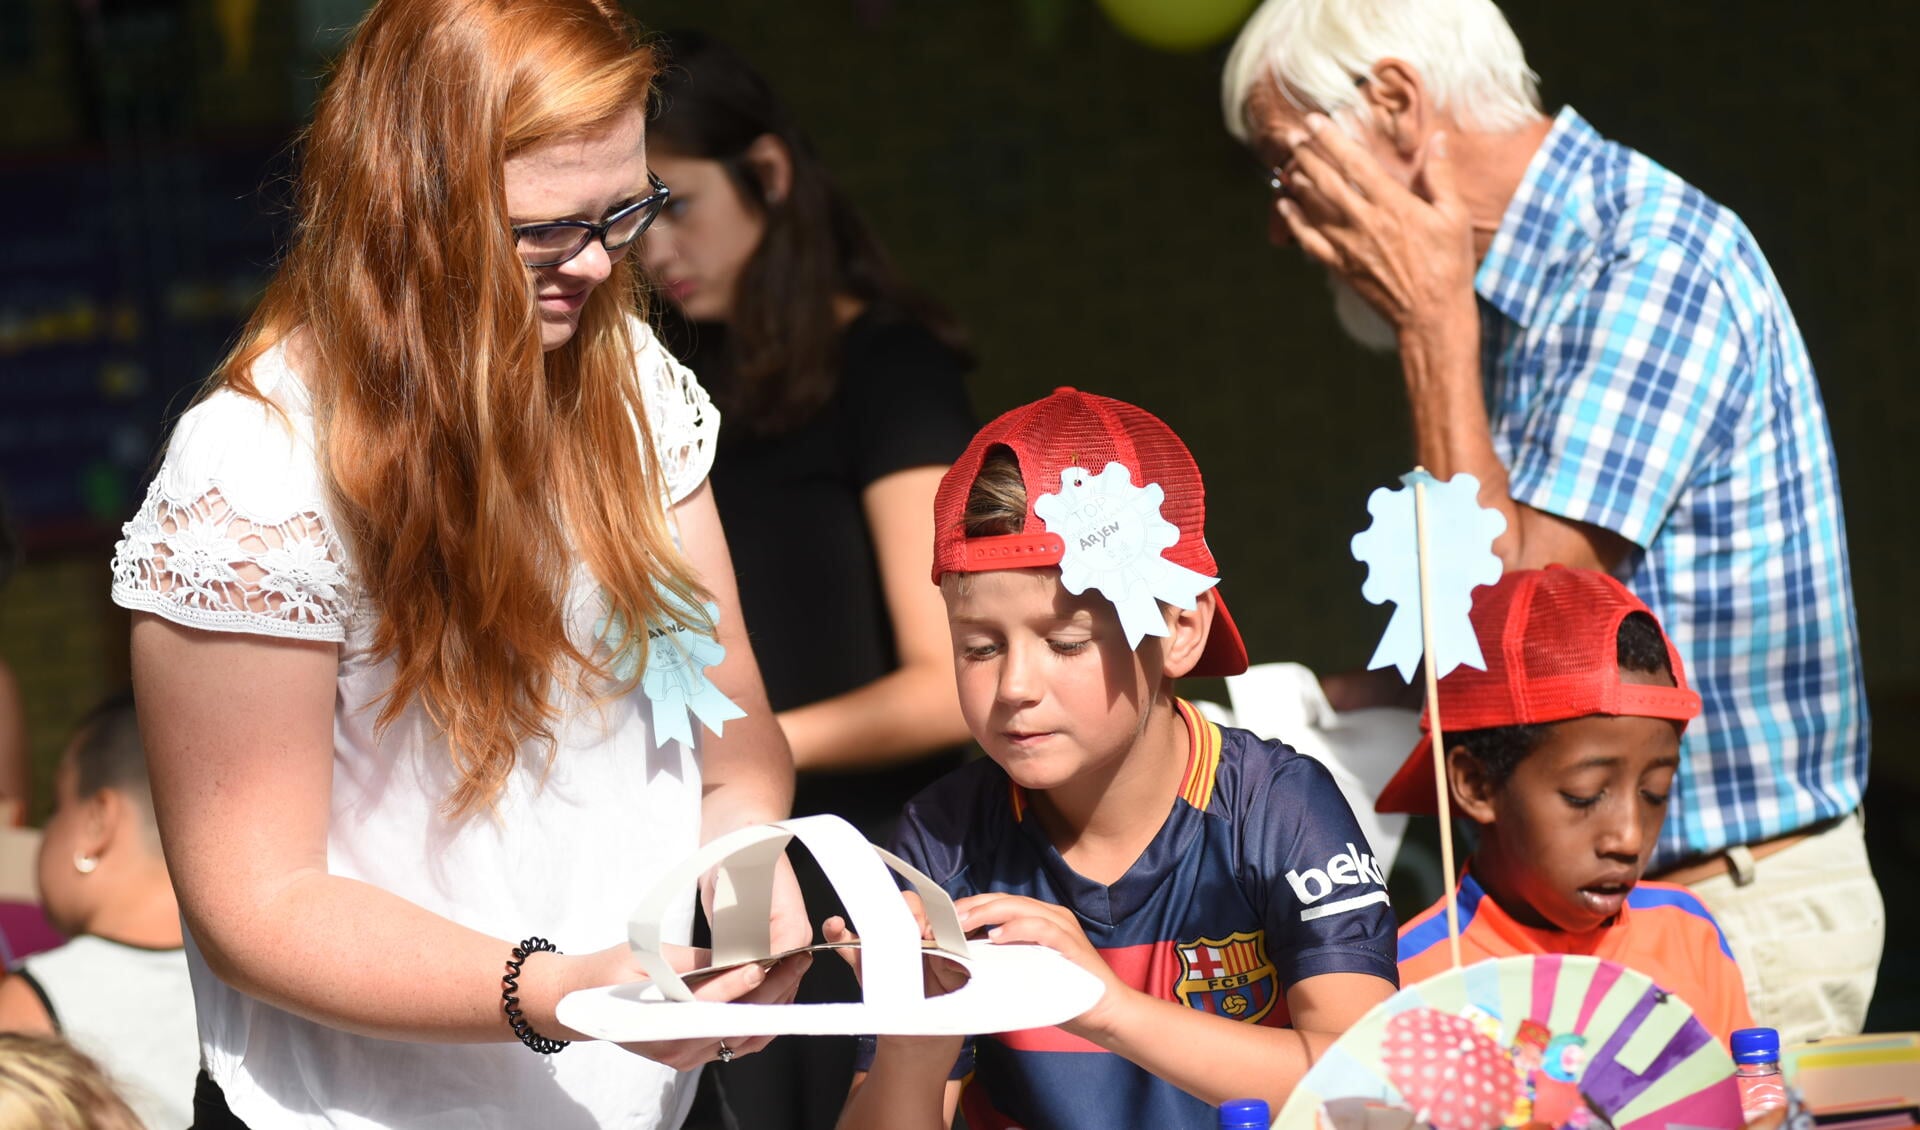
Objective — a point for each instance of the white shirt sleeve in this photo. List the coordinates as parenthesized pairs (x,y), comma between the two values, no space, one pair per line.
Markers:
(681,417)
(233,535)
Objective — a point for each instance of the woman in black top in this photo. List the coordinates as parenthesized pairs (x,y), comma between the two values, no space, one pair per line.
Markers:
(842,400)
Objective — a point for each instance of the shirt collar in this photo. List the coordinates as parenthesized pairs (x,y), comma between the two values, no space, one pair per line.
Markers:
(1541,222)
(1601,941)
(1196,782)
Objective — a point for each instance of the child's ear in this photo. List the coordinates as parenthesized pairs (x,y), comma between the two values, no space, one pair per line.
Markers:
(1473,794)
(103,813)
(1187,635)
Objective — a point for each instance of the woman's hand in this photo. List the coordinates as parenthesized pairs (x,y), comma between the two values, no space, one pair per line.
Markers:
(751,983)
(788,927)
(1017,920)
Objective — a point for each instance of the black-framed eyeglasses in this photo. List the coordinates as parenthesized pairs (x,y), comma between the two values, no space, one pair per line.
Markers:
(554,242)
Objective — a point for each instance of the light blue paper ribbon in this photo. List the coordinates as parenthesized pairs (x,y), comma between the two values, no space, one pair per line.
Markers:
(675,681)
(1114,536)
(1460,558)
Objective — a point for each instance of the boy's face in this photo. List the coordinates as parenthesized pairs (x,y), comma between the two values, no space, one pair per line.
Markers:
(1572,827)
(1047,683)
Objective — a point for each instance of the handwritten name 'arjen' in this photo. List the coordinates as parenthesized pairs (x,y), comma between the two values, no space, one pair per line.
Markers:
(1099,536)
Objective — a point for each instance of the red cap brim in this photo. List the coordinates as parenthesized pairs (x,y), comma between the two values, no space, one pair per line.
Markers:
(1226,653)
(1411,789)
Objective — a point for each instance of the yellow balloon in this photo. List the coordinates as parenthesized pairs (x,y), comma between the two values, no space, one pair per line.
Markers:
(1177,25)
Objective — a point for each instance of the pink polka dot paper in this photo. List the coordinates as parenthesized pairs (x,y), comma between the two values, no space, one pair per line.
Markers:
(1450,1073)
(1456,1050)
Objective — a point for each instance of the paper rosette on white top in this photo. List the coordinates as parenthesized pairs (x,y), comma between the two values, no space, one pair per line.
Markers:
(1009,987)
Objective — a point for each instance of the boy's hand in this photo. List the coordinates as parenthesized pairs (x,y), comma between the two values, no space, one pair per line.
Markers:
(1018,920)
(942,976)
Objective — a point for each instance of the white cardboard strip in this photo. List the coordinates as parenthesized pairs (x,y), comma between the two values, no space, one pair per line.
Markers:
(743,894)
(1009,987)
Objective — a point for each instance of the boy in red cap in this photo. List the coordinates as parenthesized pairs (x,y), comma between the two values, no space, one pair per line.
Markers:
(1217,883)
(1562,753)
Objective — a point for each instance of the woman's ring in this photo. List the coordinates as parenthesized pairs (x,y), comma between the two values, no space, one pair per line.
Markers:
(726,1053)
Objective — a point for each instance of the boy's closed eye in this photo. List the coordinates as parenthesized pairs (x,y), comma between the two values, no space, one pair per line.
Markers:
(1575,799)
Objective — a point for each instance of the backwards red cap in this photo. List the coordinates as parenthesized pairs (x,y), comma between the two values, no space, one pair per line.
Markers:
(1078,429)
(1551,641)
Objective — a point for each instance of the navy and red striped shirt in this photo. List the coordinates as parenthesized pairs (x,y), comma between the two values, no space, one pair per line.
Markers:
(1259,879)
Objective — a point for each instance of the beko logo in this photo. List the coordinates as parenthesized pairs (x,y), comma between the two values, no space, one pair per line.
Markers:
(1350,868)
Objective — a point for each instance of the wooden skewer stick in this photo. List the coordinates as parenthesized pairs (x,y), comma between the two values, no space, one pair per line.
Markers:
(1433,716)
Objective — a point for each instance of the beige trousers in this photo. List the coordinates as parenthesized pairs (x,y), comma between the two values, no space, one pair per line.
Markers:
(1806,925)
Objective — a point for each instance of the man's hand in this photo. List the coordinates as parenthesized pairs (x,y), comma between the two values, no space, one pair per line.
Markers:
(1409,253)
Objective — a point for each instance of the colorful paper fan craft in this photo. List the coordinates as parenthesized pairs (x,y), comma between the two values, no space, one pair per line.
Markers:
(1447,1068)
(1542,1041)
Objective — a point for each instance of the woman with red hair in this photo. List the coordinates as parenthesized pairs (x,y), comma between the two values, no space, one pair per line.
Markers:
(394,589)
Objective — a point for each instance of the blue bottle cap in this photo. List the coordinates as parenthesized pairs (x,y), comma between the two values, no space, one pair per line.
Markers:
(1756,1045)
(1245,1114)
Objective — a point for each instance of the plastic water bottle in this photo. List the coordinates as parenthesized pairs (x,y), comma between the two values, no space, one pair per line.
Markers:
(1245,1114)
(1756,1064)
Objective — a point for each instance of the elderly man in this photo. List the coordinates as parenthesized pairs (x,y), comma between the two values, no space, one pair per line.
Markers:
(1608,352)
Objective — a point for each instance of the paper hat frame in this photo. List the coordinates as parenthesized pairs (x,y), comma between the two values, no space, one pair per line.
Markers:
(1009,987)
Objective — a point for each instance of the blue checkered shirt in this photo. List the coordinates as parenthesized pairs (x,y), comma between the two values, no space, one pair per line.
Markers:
(1644,374)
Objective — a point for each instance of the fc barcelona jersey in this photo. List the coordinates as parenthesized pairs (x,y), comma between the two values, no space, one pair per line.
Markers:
(1259,878)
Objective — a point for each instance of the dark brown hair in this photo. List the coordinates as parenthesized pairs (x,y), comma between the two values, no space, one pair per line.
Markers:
(782,356)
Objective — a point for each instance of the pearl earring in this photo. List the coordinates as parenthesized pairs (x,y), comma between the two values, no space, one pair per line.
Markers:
(84,863)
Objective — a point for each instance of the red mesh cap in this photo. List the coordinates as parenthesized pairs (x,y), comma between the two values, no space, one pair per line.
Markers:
(1078,429)
(1551,641)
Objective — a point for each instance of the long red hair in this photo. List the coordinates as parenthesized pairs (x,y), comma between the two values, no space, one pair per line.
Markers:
(466,467)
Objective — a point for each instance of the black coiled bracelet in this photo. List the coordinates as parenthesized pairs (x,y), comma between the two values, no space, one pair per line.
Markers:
(510,998)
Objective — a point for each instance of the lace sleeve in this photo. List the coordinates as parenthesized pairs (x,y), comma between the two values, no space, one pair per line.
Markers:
(680,415)
(203,563)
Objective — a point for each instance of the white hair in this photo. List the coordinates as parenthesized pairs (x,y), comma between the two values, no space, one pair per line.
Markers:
(1467,56)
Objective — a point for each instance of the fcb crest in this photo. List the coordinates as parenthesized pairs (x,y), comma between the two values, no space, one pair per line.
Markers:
(1230,977)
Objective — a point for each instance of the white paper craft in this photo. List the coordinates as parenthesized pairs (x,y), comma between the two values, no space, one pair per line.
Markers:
(1114,535)
(1010,987)
(1461,560)
(1431,580)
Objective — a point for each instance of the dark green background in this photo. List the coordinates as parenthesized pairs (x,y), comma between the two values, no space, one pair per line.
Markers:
(1073,196)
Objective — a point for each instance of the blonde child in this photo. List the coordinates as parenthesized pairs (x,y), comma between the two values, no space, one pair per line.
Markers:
(1215,882)
(119,990)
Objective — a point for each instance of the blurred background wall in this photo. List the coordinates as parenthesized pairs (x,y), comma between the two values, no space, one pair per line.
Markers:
(1067,189)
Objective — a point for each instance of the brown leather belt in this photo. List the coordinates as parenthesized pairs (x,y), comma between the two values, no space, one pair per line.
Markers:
(1713,866)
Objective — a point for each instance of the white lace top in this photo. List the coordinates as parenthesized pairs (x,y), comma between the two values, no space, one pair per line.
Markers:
(234,536)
